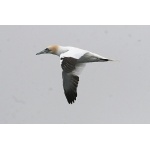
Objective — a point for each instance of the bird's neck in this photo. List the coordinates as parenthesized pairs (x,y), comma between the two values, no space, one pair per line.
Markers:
(61,50)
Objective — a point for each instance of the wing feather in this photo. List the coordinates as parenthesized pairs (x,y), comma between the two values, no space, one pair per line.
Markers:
(71,69)
(70,84)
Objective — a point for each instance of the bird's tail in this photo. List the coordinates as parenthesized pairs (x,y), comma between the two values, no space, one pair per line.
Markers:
(114,60)
(106,59)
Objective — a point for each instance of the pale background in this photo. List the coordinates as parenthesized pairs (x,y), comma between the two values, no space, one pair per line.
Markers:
(113,92)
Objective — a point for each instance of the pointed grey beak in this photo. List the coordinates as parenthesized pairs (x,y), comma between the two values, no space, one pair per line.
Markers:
(45,51)
(42,52)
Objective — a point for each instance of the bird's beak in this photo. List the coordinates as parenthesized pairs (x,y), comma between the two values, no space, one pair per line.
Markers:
(42,52)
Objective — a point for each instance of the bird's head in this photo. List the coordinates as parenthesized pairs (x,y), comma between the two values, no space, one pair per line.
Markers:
(53,49)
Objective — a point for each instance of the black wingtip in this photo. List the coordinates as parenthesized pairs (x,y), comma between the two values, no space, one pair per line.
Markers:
(71,92)
(71,99)
(70,102)
(107,59)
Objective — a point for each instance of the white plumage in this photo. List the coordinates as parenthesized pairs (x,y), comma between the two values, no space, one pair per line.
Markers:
(72,61)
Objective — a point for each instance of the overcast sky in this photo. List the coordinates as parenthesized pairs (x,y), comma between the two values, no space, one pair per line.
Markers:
(31,88)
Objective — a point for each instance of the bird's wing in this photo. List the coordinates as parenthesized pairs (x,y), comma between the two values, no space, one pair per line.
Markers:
(74,52)
(70,77)
(70,84)
(70,61)
(68,64)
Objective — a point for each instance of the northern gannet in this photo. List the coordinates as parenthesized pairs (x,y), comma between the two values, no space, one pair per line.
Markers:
(72,60)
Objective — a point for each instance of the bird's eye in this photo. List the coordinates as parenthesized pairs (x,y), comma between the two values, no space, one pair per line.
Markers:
(47,50)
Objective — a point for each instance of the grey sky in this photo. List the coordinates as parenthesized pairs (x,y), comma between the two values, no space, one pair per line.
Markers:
(112,92)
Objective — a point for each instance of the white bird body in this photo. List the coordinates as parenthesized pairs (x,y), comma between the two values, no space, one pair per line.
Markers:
(74,52)
(72,61)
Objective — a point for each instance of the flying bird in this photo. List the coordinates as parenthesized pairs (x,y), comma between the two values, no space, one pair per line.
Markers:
(72,61)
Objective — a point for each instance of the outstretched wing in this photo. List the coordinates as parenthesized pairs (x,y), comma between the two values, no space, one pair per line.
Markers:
(70,84)
(68,64)
(70,77)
